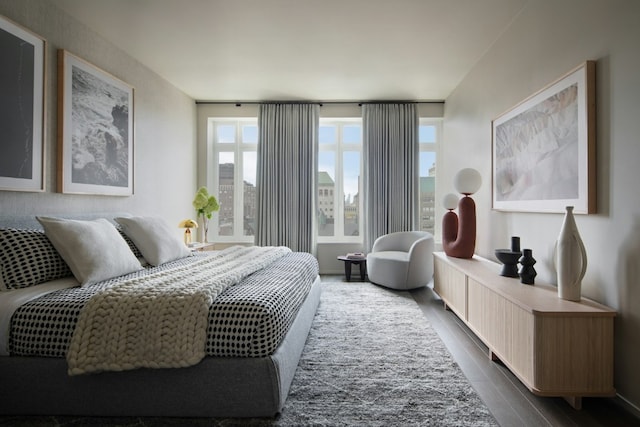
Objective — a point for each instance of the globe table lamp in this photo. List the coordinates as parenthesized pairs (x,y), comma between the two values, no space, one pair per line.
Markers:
(459,231)
(187,224)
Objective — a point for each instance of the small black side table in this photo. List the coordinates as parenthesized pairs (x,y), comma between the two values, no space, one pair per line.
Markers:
(362,262)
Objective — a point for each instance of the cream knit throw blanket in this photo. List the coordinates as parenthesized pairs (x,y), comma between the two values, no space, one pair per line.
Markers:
(160,320)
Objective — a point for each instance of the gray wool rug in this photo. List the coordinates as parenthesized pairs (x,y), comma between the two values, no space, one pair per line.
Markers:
(371,359)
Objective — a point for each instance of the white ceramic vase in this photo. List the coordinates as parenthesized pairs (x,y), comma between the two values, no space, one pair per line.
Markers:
(571,259)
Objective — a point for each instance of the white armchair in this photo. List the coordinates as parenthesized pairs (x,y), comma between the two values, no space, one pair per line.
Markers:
(402,260)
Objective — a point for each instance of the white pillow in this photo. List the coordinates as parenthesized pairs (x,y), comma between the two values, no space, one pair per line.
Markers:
(94,250)
(157,242)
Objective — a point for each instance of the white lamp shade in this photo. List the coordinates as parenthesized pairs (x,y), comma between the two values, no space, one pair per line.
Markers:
(467,181)
(450,201)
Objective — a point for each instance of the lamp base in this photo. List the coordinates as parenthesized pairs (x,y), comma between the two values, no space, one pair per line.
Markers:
(459,234)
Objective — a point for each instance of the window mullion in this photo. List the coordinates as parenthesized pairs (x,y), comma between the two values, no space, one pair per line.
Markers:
(338,192)
(238,190)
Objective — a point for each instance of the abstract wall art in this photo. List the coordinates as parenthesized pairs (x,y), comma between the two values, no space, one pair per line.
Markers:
(544,148)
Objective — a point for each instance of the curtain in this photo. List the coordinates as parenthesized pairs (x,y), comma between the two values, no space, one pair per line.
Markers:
(391,175)
(286,175)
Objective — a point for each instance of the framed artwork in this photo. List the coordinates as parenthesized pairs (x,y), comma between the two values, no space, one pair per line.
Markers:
(95,130)
(544,149)
(22,108)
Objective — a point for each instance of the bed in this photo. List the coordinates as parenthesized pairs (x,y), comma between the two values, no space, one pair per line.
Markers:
(256,328)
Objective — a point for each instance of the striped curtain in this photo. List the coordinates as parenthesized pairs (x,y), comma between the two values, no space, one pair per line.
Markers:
(391,181)
(286,176)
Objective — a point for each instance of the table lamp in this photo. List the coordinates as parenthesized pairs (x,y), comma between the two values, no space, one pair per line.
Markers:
(459,231)
(187,224)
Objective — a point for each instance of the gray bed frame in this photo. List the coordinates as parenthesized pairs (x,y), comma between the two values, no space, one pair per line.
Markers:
(216,387)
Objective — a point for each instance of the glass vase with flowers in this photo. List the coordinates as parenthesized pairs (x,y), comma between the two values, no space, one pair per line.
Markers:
(205,204)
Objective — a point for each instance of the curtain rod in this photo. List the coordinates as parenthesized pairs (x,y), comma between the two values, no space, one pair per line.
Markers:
(321,103)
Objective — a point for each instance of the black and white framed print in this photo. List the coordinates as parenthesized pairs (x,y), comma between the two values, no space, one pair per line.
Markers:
(22,108)
(95,129)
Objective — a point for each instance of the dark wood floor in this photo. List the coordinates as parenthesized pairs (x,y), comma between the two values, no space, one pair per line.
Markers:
(509,401)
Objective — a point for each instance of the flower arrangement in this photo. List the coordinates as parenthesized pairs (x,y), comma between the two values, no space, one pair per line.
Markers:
(205,205)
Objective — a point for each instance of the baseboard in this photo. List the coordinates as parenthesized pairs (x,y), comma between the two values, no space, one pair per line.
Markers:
(331,272)
(627,406)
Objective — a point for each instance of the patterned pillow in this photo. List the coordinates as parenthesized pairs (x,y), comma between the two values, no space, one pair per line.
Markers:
(28,258)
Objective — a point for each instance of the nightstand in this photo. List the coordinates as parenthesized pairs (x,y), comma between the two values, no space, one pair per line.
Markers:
(200,247)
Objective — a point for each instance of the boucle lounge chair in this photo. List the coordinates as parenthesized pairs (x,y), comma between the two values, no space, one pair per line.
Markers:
(401,260)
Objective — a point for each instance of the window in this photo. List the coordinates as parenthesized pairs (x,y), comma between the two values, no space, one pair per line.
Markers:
(234,144)
(339,186)
(428,137)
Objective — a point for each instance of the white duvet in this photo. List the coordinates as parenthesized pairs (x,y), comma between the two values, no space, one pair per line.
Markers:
(11,300)
(160,320)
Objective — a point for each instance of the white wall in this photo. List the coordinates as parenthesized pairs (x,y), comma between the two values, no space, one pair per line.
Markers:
(548,39)
(165,122)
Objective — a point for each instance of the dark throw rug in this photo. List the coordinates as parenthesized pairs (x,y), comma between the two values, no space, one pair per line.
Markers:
(371,359)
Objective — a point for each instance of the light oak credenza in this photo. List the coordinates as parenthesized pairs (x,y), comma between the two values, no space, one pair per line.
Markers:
(555,347)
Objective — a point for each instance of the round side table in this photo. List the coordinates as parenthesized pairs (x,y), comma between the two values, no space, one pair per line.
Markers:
(362,262)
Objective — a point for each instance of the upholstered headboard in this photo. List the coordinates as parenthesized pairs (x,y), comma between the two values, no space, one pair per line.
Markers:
(30,221)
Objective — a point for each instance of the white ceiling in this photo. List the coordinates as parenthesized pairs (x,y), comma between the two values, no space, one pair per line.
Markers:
(331,50)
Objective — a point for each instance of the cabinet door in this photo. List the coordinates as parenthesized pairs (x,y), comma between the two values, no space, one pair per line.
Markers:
(575,354)
(451,284)
(504,327)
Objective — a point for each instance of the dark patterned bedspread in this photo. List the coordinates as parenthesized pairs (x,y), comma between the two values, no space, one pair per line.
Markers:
(247,320)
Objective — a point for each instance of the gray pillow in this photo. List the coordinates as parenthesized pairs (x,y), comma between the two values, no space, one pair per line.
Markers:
(94,250)
(157,242)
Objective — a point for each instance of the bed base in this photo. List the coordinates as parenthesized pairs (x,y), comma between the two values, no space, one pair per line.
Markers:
(216,387)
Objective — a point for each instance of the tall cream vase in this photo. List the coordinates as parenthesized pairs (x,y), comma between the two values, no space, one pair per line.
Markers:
(571,259)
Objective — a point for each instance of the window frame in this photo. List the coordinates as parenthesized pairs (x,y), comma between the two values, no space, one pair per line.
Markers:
(430,147)
(238,148)
(339,148)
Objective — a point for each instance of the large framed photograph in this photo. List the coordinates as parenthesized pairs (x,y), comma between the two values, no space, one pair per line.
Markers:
(544,149)
(22,108)
(95,130)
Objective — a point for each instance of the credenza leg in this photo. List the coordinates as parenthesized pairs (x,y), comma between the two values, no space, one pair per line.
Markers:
(574,401)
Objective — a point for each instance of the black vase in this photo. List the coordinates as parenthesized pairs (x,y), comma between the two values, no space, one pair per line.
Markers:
(515,243)
(527,273)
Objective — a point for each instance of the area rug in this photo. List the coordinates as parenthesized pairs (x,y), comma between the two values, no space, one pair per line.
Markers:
(371,359)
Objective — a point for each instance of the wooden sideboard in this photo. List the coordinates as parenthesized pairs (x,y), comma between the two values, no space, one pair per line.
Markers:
(555,347)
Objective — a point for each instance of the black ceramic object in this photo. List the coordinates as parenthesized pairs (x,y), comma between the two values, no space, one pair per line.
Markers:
(509,259)
(515,244)
(527,273)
